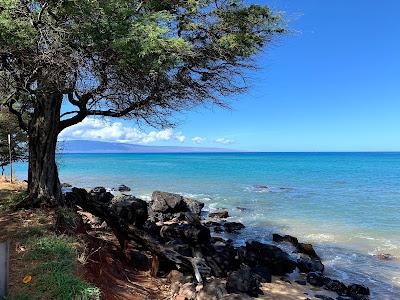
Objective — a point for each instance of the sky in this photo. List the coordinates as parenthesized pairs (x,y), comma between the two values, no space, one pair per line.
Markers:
(331,84)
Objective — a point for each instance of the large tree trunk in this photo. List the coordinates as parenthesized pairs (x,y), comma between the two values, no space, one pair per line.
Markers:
(43,182)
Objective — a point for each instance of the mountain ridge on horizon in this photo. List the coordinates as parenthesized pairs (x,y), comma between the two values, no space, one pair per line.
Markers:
(90,146)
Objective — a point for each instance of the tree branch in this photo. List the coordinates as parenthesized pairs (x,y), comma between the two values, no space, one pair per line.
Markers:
(17,113)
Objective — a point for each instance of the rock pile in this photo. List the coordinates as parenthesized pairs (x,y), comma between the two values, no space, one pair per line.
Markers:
(226,271)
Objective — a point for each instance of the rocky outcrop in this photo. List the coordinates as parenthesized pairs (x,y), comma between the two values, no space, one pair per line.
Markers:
(269,256)
(307,249)
(243,281)
(100,194)
(286,238)
(222,214)
(214,290)
(99,189)
(122,188)
(335,286)
(133,210)
(164,205)
(193,234)
(172,228)
(307,265)
(353,291)
(315,279)
(233,227)
(357,290)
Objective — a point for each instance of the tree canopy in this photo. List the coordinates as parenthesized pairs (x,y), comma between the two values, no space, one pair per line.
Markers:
(139,59)
(19,151)
(142,60)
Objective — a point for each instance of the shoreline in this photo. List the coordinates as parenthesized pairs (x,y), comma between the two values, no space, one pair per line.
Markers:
(284,285)
(387,292)
(301,284)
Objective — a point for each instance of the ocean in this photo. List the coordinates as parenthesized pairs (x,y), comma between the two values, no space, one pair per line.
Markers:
(346,204)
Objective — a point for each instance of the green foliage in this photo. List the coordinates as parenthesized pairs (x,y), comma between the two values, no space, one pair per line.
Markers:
(51,247)
(16,30)
(10,200)
(64,285)
(9,125)
(67,217)
(31,232)
(140,59)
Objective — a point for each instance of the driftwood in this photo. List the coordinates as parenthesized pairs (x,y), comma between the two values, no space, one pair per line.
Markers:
(125,233)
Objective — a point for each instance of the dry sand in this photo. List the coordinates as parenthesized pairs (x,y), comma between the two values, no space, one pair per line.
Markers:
(282,290)
(16,185)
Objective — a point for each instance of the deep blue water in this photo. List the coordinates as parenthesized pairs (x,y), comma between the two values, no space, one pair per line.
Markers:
(347,204)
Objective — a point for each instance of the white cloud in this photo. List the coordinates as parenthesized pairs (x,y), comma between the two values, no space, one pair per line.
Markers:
(91,129)
(198,139)
(180,137)
(224,141)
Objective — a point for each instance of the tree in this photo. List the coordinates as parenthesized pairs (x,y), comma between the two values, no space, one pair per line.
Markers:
(142,60)
(19,151)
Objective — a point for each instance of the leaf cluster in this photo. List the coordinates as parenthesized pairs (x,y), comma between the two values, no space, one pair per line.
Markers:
(125,58)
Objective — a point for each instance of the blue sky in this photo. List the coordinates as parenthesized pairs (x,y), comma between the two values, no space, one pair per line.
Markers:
(332,84)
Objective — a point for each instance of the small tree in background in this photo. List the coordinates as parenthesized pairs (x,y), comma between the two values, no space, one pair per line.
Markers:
(142,60)
(19,151)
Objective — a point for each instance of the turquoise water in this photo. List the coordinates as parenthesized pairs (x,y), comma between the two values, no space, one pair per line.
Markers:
(347,204)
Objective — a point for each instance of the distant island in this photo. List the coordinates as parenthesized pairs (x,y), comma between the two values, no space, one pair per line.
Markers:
(88,146)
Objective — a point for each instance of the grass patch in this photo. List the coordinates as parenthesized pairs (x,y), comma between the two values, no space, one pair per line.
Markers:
(10,199)
(53,261)
(31,232)
(67,219)
(51,247)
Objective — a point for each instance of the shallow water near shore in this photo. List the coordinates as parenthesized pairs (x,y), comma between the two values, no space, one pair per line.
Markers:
(346,204)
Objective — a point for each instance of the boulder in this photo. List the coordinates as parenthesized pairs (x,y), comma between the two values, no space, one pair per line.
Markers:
(77,194)
(242,209)
(66,185)
(212,224)
(286,238)
(233,227)
(269,256)
(307,265)
(260,188)
(243,281)
(100,194)
(307,249)
(131,209)
(213,290)
(193,205)
(166,202)
(188,216)
(169,203)
(335,286)
(99,189)
(123,188)
(315,279)
(152,228)
(262,273)
(191,233)
(384,256)
(222,214)
(221,257)
(357,290)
